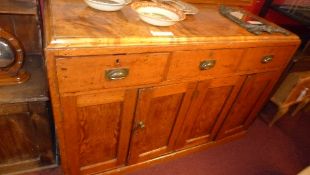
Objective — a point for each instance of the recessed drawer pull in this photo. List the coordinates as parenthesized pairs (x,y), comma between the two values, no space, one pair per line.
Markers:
(116,74)
(207,64)
(267,59)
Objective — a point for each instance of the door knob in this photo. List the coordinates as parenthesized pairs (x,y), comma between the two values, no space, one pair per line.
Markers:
(139,125)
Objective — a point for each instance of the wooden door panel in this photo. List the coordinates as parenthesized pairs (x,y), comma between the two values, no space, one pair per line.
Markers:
(161,110)
(97,130)
(162,113)
(207,110)
(250,99)
(206,116)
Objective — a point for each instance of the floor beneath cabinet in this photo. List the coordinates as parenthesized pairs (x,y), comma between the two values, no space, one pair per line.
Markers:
(283,149)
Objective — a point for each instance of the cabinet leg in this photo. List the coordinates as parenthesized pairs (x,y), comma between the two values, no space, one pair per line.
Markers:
(279,114)
(300,106)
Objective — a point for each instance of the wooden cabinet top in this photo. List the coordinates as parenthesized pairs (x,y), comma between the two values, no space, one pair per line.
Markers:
(71,23)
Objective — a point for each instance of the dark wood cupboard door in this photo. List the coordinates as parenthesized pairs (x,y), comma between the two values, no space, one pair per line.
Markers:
(97,129)
(159,114)
(252,96)
(207,110)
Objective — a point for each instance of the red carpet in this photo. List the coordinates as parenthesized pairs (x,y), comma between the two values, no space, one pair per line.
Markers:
(264,151)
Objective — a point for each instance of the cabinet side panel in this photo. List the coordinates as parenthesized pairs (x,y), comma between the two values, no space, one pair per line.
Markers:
(70,135)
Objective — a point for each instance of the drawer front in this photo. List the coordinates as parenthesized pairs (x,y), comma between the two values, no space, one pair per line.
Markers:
(265,58)
(95,72)
(203,63)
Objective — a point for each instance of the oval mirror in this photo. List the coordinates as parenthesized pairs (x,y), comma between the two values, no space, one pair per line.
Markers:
(7,54)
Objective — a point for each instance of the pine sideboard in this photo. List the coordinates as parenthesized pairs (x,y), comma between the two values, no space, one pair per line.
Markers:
(124,99)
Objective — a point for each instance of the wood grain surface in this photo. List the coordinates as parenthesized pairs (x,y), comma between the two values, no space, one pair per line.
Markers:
(253,57)
(22,19)
(252,94)
(180,107)
(159,108)
(97,132)
(26,138)
(143,69)
(35,89)
(21,7)
(185,64)
(210,103)
(226,2)
(71,23)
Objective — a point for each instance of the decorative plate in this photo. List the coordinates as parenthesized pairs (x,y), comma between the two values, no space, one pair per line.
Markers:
(187,8)
(157,14)
(107,5)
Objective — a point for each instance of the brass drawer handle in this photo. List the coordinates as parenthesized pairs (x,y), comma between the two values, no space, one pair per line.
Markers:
(207,64)
(267,59)
(116,74)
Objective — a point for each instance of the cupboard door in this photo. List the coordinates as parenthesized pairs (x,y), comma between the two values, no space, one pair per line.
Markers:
(209,105)
(252,96)
(97,129)
(159,113)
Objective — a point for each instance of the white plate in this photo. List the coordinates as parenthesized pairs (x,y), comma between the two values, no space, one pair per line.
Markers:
(158,14)
(187,8)
(107,5)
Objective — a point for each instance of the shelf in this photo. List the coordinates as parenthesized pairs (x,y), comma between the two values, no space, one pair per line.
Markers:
(35,89)
(26,7)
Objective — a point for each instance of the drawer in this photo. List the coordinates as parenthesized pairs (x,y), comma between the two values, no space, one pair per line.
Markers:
(95,72)
(203,63)
(265,58)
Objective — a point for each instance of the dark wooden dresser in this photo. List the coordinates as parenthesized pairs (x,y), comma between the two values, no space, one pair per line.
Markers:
(166,104)
(25,122)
